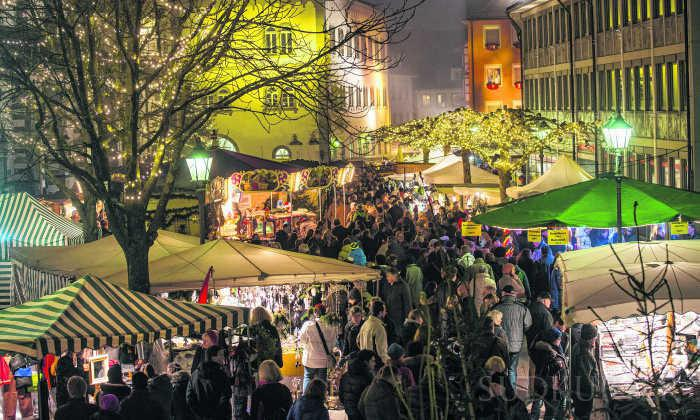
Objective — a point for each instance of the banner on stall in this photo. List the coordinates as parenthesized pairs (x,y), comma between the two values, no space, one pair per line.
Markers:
(679,228)
(471,229)
(534,235)
(558,237)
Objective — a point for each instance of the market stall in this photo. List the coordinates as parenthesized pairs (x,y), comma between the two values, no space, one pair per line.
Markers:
(448,177)
(25,222)
(39,271)
(240,264)
(260,201)
(94,314)
(563,173)
(613,286)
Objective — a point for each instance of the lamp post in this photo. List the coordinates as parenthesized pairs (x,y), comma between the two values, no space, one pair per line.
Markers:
(542,133)
(199,164)
(617,134)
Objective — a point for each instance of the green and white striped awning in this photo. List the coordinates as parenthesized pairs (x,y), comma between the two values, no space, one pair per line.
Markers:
(24,221)
(91,313)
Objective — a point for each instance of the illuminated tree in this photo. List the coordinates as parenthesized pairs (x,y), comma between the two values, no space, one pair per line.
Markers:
(505,139)
(120,89)
(508,137)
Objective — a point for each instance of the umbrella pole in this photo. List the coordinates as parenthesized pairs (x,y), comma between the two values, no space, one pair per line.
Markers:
(344,205)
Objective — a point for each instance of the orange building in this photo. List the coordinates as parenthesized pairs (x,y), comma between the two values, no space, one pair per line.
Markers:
(492,70)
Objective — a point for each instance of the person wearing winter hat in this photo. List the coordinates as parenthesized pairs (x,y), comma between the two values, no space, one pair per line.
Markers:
(109,408)
(550,375)
(396,353)
(584,372)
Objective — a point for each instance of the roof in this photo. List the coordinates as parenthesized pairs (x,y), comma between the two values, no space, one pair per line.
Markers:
(240,264)
(226,162)
(563,173)
(99,258)
(93,313)
(24,221)
(449,172)
(587,277)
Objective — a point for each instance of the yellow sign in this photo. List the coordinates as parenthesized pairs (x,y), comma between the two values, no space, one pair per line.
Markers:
(679,228)
(471,229)
(558,237)
(534,235)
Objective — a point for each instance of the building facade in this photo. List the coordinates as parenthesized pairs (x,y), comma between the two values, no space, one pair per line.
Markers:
(402,95)
(297,132)
(492,70)
(590,59)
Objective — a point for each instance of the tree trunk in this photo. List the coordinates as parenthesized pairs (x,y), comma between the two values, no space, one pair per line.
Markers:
(466,167)
(426,155)
(88,216)
(137,264)
(503,183)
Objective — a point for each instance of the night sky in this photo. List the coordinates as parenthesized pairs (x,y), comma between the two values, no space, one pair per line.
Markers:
(437,36)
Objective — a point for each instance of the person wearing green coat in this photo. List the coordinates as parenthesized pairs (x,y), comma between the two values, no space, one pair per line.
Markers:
(414,278)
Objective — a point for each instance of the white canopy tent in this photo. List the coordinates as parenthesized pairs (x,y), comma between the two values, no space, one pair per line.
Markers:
(43,270)
(563,173)
(449,171)
(590,277)
(240,264)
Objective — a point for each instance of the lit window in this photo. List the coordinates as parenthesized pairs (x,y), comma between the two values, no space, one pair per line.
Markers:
(226,144)
(440,99)
(426,99)
(492,37)
(271,40)
(271,97)
(517,73)
(285,42)
(281,153)
(287,99)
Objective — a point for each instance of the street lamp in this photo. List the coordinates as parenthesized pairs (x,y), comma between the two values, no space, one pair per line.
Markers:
(617,133)
(542,133)
(199,164)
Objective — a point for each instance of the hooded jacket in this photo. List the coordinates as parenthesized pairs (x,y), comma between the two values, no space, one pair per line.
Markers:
(516,320)
(414,279)
(584,371)
(372,336)
(380,400)
(306,408)
(162,391)
(352,384)
(550,367)
(209,393)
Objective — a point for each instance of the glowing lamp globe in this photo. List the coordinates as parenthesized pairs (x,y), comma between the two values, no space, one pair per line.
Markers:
(617,133)
(199,164)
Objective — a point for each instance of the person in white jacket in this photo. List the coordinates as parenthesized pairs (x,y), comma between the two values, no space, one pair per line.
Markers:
(315,355)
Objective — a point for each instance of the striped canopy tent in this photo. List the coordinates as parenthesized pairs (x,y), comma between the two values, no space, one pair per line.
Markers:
(25,222)
(91,313)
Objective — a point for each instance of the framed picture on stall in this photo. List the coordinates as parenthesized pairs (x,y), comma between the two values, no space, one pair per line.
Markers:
(99,365)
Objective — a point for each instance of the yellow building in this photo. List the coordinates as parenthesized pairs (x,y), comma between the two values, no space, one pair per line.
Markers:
(274,124)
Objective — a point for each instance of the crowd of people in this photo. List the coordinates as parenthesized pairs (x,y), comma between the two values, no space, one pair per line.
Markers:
(440,335)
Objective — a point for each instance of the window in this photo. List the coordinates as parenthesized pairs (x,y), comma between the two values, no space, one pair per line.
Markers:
(425,99)
(287,99)
(440,99)
(517,104)
(492,37)
(358,97)
(517,73)
(493,106)
(285,42)
(271,97)
(661,87)
(226,144)
(648,87)
(671,172)
(281,153)
(341,39)
(683,88)
(674,88)
(271,40)
(493,74)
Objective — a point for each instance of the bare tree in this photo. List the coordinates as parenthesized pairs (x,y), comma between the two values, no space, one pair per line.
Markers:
(121,89)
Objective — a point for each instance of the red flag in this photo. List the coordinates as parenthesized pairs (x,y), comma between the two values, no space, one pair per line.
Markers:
(204,291)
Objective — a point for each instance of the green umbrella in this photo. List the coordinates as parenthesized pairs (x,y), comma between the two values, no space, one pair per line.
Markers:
(593,204)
